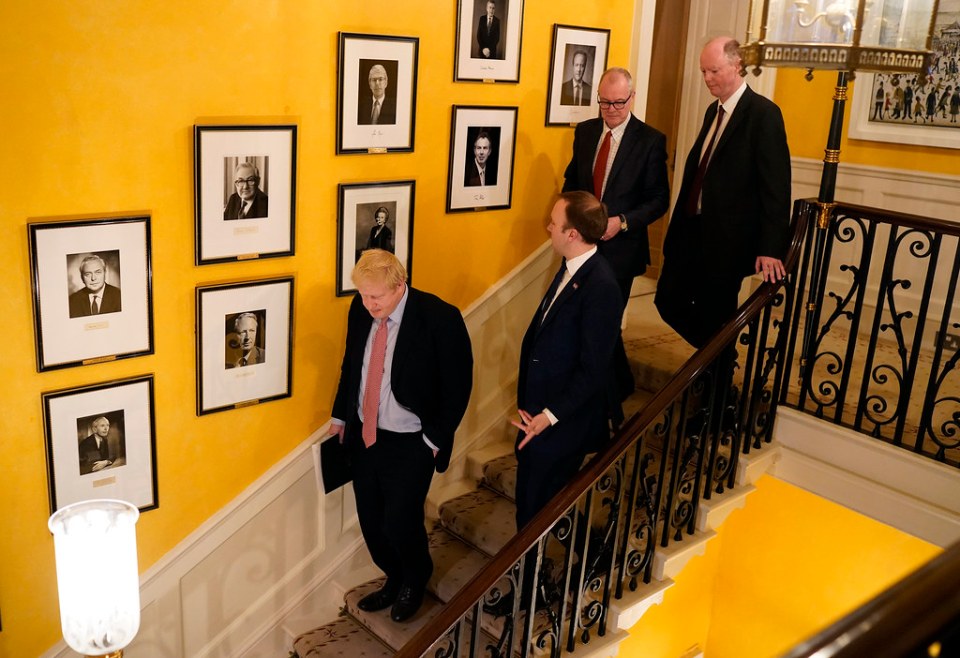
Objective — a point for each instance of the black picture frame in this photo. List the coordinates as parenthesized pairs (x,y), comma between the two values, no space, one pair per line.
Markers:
(488,51)
(572,45)
(230,373)
(388,64)
(359,205)
(122,463)
(267,155)
(467,189)
(71,329)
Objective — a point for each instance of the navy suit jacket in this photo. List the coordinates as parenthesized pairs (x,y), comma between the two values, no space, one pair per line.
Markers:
(565,360)
(745,195)
(637,188)
(432,370)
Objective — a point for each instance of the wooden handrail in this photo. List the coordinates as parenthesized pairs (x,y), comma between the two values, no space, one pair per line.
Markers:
(541,524)
(908,616)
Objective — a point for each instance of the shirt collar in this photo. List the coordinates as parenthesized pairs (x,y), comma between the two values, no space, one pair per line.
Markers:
(616,134)
(731,104)
(397,314)
(575,263)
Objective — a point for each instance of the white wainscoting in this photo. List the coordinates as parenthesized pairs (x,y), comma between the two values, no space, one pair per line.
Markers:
(276,560)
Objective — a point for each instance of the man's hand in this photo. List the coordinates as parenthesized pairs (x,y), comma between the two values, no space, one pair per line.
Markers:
(613,227)
(530,425)
(771,268)
(337,428)
(101,464)
(486,52)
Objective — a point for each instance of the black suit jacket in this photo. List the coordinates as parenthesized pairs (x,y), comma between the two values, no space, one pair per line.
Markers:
(79,302)
(565,360)
(90,453)
(489,38)
(258,208)
(471,177)
(382,241)
(566,93)
(432,371)
(636,188)
(745,196)
(388,111)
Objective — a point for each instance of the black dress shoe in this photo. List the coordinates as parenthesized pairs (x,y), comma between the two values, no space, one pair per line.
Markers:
(407,604)
(382,599)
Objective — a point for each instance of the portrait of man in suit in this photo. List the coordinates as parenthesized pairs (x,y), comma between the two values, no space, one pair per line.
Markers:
(576,90)
(566,358)
(482,159)
(379,106)
(96,296)
(245,342)
(247,201)
(97,451)
(488,31)
(405,381)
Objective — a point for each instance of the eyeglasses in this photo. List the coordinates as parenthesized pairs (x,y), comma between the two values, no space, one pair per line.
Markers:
(617,105)
(246,181)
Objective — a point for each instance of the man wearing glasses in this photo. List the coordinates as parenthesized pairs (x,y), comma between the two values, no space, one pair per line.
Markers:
(623,162)
(248,201)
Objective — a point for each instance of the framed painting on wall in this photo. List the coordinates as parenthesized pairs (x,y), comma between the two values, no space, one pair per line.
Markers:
(482,145)
(578,60)
(374,216)
(900,108)
(244,343)
(377,93)
(101,444)
(489,34)
(245,181)
(92,295)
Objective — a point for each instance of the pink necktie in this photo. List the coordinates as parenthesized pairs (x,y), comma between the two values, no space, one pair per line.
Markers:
(371,392)
(600,167)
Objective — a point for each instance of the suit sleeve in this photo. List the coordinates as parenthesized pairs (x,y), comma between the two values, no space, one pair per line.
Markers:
(652,179)
(343,406)
(454,363)
(570,175)
(773,184)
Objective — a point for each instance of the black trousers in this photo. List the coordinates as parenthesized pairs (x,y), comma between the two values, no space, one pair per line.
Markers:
(390,481)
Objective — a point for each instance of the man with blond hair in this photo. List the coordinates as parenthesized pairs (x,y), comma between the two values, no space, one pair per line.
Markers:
(404,385)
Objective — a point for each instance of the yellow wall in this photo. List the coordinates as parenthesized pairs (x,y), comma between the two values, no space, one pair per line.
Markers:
(807,108)
(98,104)
(781,568)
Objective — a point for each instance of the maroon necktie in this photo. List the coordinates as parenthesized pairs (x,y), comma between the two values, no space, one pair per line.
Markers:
(600,167)
(693,200)
(371,392)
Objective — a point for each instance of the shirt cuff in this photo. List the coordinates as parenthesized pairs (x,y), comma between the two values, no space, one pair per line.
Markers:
(427,441)
(549,414)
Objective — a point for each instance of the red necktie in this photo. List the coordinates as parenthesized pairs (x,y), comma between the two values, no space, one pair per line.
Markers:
(693,201)
(600,167)
(371,392)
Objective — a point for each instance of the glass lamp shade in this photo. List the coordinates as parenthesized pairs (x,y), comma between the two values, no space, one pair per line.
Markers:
(843,35)
(95,543)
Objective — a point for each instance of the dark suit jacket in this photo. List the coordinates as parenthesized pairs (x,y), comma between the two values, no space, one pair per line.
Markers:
(489,38)
(257,209)
(637,188)
(90,453)
(566,93)
(745,198)
(388,111)
(432,372)
(257,355)
(382,241)
(79,302)
(471,178)
(565,361)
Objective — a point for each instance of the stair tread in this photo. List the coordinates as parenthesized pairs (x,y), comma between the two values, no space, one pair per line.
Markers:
(341,637)
(379,623)
(454,564)
(500,474)
(482,517)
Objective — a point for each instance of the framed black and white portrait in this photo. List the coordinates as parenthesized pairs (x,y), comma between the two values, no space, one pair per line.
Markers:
(244,343)
(482,146)
(91,290)
(377,93)
(101,444)
(373,216)
(489,34)
(578,60)
(245,179)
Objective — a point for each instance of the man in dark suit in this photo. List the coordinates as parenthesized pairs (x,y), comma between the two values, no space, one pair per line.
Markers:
(623,162)
(404,385)
(576,91)
(482,168)
(97,296)
(248,201)
(378,108)
(95,450)
(566,357)
(488,33)
(733,211)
